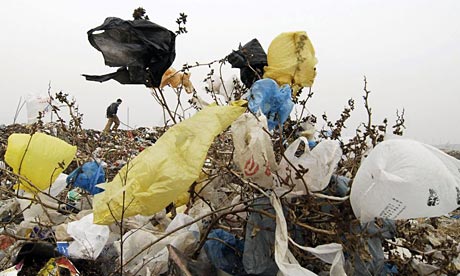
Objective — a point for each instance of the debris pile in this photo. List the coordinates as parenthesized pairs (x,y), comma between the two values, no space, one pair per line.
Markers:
(242,187)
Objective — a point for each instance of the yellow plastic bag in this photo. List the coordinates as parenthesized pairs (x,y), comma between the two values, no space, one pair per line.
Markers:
(164,171)
(291,60)
(40,158)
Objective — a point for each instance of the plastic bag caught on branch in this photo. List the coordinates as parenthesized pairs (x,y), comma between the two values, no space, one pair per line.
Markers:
(40,158)
(253,149)
(321,162)
(250,59)
(273,101)
(403,179)
(162,172)
(287,263)
(291,60)
(143,49)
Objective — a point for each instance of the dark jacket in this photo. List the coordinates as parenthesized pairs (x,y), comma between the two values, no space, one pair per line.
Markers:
(112,110)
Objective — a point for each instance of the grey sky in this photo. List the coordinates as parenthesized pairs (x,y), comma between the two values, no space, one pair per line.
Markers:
(409,51)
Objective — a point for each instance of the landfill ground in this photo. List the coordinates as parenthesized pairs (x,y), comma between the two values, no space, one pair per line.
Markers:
(414,247)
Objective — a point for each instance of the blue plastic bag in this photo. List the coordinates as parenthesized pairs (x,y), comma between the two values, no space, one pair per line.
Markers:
(226,255)
(273,101)
(87,176)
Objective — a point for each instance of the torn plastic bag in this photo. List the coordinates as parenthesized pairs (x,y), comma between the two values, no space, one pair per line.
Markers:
(287,263)
(258,257)
(291,60)
(321,162)
(87,176)
(40,158)
(403,179)
(274,102)
(89,238)
(250,59)
(143,49)
(253,149)
(226,255)
(162,172)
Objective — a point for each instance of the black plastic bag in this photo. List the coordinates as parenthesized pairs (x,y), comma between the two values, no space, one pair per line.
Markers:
(142,49)
(250,59)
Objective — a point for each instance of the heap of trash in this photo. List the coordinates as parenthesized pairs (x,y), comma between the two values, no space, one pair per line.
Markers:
(244,185)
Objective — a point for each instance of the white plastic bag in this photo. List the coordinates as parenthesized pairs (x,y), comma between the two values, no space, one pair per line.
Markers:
(321,162)
(402,179)
(287,263)
(154,260)
(253,149)
(36,104)
(89,238)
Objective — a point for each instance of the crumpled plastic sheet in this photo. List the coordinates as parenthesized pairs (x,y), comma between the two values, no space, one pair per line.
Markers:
(87,176)
(89,238)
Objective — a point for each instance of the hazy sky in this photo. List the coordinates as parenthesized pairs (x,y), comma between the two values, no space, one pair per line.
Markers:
(409,51)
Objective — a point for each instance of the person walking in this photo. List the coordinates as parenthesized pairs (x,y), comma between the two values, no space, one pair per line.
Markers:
(112,116)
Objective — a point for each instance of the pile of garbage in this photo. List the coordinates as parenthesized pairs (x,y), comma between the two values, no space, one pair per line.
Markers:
(242,187)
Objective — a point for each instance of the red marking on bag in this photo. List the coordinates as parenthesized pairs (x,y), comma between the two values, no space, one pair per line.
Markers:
(251,167)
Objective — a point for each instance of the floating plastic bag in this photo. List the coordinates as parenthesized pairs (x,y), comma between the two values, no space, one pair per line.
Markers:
(291,60)
(253,149)
(403,179)
(87,176)
(162,172)
(274,102)
(143,49)
(251,59)
(287,263)
(89,238)
(36,104)
(40,158)
(321,162)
